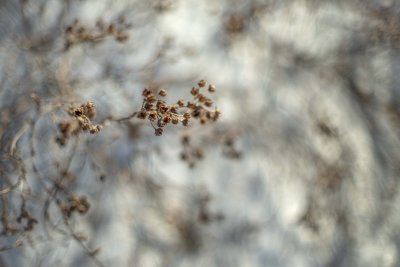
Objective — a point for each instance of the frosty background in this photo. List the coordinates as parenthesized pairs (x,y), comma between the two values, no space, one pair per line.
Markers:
(309,97)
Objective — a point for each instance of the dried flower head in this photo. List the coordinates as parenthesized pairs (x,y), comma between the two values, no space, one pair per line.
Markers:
(202,83)
(158,131)
(211,88)
(181,103)
(162,92)
(194,91)
(83,114)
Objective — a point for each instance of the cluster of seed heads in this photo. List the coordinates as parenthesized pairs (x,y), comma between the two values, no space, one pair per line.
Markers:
(160,114)
(25,222)
(76,33)
(82,117)
(153,108)
(74,204)
(84,114)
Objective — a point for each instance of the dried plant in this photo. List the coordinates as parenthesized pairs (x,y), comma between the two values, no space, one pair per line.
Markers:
(160,114)
(77,33)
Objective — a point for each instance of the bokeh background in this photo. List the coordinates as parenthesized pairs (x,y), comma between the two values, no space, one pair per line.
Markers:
(302,168)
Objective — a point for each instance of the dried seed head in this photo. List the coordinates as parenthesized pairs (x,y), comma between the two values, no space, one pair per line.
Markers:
(217,113)
(148,106)
(95,129)
(152,115)
(146,92)
(211,88)
(190,104)
(208,102)
(163,109)
(181,103)
(158,131)
(78,111)
(202,83)
(196,113)
(162,92)
(142,114)
(160,123)
(167,119)
(202,98)
(175,120)
(89,109)
(194,91)
(151,98)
